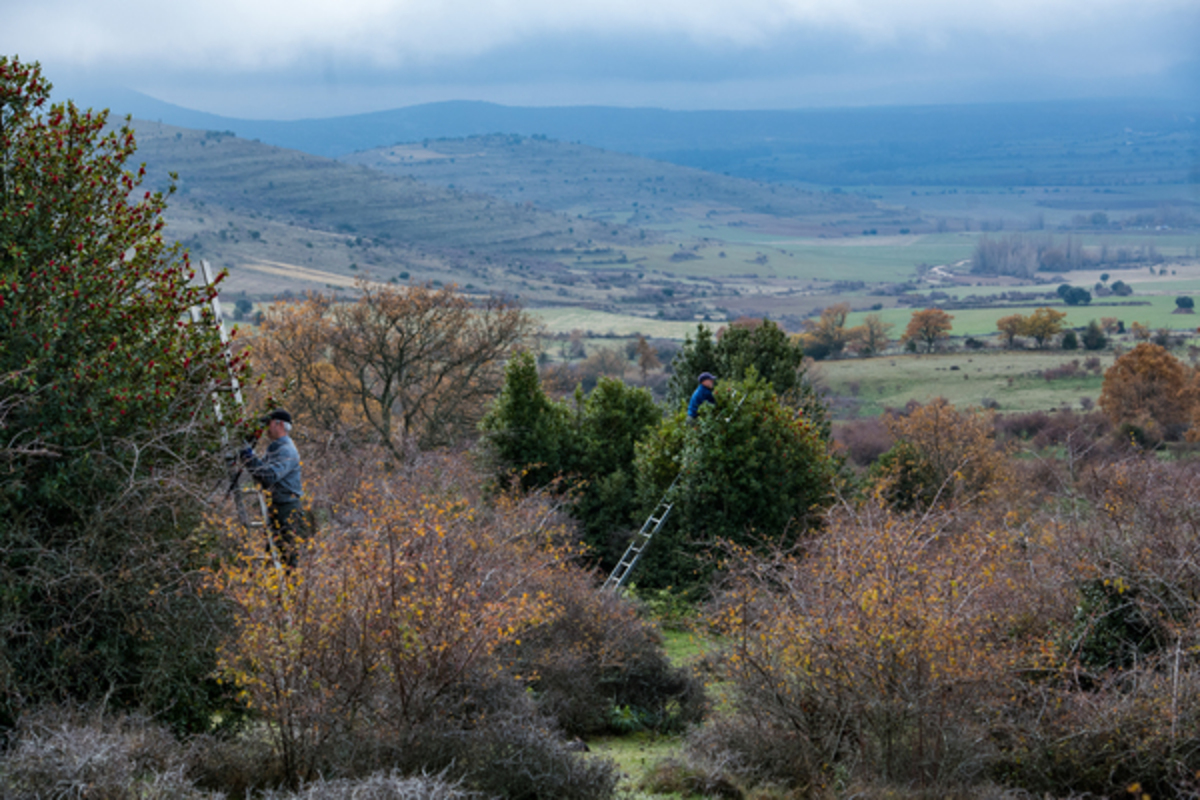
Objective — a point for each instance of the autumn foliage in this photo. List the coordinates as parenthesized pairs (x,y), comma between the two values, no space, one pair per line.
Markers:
(1150,393)
(392,618)
(942,456)
(927,327)
(868,645)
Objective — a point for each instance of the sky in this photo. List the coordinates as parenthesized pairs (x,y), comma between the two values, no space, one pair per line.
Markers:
(292,59)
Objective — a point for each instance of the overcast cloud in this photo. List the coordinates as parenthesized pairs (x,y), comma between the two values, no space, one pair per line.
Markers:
(296,58)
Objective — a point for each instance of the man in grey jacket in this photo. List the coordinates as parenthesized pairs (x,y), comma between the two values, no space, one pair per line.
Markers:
(278,472)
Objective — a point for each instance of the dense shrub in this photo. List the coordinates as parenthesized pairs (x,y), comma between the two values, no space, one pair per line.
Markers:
(588,444)
(1120,706)
(863,440)
(381,786)
(58,752)
(1082,434)
(1150,393)
(869,651)
(701,776)
(942,456)
(599,668)
(387,634)
(63,753)
(1069,369)
(1130,734)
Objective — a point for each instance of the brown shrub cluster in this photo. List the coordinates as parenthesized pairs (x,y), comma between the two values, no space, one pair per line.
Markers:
(1046,640)
(599,668)
(1080,433)
(70,753)
(391,643)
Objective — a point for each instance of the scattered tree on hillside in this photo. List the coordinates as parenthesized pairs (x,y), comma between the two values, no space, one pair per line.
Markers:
(1093,336)
(1074,295)
(1185,302)
(416,365)
(109,431)
(1010,328)
(1149,393)
(871,338)
(929,327)
(1043,325)
(827,335)
(647,358)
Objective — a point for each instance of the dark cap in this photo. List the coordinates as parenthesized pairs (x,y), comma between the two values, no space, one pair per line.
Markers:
(278,414)
(706,376)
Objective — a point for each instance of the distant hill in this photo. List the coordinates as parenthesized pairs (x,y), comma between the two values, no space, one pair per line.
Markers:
(1079,142)
(219,168)
(565,176)
(301,221)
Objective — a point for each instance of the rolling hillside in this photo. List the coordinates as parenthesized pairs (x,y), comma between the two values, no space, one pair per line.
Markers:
(575,177)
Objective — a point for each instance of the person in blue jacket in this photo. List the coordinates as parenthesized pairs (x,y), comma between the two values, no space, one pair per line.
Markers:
(278,473)
(702,395)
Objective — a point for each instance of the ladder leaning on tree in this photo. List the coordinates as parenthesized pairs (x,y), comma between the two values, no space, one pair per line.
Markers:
(238,488)
(653,524)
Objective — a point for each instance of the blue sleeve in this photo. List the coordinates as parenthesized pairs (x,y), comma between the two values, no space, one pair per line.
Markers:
(279,463)
(694,403)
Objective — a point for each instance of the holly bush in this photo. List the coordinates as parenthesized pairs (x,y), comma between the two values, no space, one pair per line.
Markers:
(752,472)
(107,421)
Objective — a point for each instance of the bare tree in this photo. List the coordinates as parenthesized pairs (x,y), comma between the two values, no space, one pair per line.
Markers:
(407,364)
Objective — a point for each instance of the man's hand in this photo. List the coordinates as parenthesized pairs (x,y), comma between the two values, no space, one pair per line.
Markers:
(247,453)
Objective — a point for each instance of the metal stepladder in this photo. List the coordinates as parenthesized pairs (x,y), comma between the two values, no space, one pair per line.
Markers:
(252,514)
(651,526)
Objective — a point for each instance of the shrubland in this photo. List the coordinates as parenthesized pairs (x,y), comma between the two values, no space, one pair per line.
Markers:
(1032,633)
(974,604)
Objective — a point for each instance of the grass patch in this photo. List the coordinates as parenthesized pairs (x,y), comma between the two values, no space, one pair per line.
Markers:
(635,755)
(565,320)
(964,379)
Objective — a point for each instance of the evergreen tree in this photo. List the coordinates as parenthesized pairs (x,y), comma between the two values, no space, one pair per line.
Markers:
(529,433)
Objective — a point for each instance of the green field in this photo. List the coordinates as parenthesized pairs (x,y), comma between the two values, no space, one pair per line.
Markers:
(963,378)
(1154,311)
(601,323)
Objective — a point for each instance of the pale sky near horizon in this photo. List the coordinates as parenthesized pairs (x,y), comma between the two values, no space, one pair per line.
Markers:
(302,58)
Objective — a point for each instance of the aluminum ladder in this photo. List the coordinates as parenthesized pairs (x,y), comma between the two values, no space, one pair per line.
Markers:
(246,494)
(641,539)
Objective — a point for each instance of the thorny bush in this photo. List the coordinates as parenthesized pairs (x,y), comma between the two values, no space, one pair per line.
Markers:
(942,457)
(390,625)
(598,667)
(865,653)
